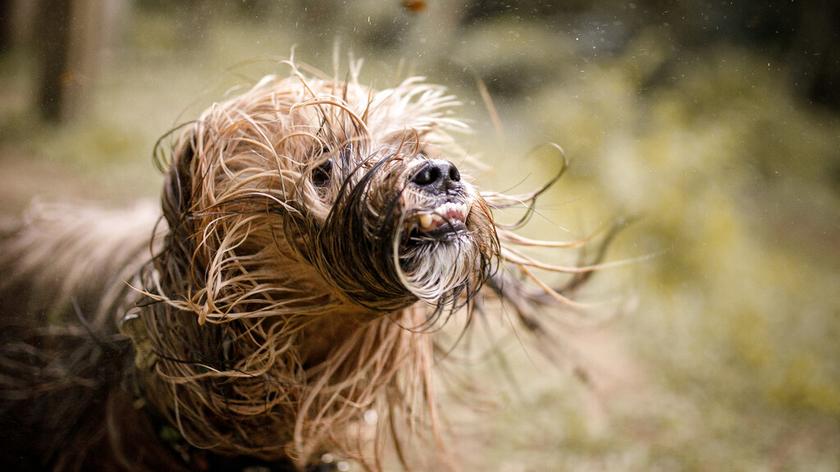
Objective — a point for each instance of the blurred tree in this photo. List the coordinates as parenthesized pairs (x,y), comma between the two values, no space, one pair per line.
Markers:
(53,51)
(5,25)
(18,22)
(68,44)
(816,55)
(804,35)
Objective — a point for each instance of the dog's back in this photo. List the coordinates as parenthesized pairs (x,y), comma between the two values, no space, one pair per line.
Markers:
(59,256)
(65,282)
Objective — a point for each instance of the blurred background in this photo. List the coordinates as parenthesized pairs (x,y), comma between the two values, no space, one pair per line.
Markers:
(717,124)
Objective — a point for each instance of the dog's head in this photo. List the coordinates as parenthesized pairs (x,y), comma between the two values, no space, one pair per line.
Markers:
(353,195)
(388,215)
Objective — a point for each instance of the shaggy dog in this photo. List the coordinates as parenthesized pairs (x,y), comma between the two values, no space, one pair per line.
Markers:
(311,235)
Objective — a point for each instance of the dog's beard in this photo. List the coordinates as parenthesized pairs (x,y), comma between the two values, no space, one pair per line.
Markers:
(439,271)
(385,245)
(448,246)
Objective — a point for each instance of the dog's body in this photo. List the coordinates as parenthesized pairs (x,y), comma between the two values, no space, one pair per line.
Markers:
(311,231)
(66,400)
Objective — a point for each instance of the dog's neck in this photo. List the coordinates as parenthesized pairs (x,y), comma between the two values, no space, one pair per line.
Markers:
(197,373)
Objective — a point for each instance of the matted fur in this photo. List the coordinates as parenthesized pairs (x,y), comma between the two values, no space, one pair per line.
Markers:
(277,300)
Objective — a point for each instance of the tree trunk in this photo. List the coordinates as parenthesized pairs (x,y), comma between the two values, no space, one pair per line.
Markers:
(68,40)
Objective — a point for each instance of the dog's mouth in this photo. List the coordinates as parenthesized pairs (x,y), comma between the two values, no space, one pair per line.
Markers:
(445,221)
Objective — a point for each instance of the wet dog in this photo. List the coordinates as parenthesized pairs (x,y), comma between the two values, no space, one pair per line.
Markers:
(311,233)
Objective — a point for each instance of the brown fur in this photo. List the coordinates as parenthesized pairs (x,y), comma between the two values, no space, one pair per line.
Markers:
(265,312)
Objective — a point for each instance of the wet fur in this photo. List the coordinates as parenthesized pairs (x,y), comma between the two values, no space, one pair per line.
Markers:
(262,314)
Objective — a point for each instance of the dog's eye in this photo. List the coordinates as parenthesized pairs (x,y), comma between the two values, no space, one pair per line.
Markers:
(321,174)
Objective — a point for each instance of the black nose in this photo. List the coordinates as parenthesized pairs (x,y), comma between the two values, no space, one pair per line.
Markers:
(437,175)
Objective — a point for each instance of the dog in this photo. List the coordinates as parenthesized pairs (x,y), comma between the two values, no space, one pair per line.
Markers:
(312,234)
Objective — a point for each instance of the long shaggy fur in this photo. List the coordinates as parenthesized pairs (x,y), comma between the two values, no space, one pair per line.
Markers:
(285,291)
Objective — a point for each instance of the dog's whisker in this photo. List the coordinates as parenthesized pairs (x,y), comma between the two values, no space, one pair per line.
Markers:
(316,234)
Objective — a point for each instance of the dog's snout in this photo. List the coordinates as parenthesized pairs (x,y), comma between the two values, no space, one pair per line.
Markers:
(437,175)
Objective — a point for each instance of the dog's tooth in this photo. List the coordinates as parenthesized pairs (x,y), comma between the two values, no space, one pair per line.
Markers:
(425,220)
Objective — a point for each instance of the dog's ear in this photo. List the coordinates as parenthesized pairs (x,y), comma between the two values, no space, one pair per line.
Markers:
(177,198)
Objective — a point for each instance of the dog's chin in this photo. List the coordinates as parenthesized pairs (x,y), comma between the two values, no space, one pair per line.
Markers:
(439,253)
